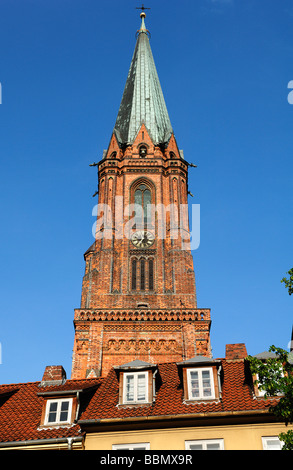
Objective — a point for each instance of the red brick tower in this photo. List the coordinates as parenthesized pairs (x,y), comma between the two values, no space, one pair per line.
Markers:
(138,293)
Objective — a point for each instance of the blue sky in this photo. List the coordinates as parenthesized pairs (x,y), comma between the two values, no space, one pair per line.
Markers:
(224,66)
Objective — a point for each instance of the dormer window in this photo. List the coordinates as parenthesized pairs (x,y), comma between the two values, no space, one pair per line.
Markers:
(200,383)
(260,385)
(200,378)
(135,387)
(136,383)
(58,411)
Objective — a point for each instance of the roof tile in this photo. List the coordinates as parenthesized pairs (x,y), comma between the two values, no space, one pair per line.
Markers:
(21,404)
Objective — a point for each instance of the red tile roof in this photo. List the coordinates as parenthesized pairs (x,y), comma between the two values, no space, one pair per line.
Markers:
(21,404)
(236,396)
(21,409)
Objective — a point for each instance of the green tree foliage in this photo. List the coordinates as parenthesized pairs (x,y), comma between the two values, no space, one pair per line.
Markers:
(289,282)
(287,438)
(275,378)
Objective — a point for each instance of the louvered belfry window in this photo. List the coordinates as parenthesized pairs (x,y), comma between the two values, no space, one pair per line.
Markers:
(133,274)
(142,274)
(151,274)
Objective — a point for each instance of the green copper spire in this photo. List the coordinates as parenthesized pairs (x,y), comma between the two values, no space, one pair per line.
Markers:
(143,100)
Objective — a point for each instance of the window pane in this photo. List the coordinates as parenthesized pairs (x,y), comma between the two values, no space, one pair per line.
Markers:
(194,375)
(52,417)
(64,416)
(215,446)
(194,384)
(138,201)
(273,444)
(65,406)
(146,206)
(206,383)
(141,387)
(64,411)
(138,197)
(52,412)
(195,446)
(53,406)
(130,388)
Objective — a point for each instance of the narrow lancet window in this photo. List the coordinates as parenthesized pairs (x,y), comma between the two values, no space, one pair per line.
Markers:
(133,275)
(142,274)
(151,274)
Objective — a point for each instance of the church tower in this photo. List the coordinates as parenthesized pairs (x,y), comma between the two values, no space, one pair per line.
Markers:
(138,292)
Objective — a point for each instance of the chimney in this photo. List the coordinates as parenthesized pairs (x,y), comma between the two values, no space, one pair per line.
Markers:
(53,375)
(235,351)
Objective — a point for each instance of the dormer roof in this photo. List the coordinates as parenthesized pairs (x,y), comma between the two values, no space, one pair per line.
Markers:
(265,355)
(198,360)
(136,364)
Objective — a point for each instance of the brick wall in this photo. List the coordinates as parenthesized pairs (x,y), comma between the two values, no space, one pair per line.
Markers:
(107,280)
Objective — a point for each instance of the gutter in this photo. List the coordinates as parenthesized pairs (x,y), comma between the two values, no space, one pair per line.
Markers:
(60,440)
(215,414)
(66,392)
(59,392)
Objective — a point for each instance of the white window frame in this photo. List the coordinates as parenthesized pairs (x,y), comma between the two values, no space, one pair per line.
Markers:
(266,439)
(201,396)
(137,446)
(261,393)
(204,443)
(59,402)
(135,387)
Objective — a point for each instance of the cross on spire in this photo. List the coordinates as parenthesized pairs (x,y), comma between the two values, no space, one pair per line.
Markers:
(142,8)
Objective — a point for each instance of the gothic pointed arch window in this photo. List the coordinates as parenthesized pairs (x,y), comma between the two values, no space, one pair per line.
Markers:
(133,273)
(143,199)
(142,274)
(151,274)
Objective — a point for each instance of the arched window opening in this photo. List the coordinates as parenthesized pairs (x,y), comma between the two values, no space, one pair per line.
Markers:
(143,198)
(151,274)
(133,274)
(143,151)
(142,274)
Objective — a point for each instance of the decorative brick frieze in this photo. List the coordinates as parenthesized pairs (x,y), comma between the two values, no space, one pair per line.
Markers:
(142,315)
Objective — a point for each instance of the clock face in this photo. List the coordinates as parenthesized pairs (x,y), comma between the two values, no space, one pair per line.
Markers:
(142,239)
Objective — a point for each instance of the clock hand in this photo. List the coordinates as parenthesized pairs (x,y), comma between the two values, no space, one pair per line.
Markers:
(145,238)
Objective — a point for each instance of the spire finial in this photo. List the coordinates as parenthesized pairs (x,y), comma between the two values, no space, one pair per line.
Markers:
(142,28)
(142,15)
